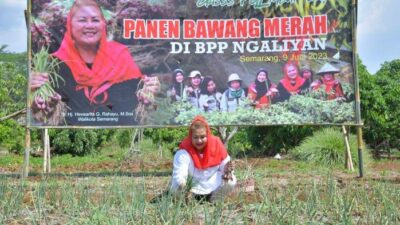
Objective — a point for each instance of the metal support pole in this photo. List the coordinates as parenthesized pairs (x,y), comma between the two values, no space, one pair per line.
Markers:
(25,169)
(357,89)
(360,157)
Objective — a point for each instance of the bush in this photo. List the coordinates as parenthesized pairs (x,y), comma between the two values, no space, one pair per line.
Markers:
(240,145)
(12,136)
(269,140)
(380,104)
(74,142)
(124,137)
(327,147)
(168,137)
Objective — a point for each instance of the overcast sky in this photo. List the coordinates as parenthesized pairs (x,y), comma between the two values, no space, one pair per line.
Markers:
(378,29)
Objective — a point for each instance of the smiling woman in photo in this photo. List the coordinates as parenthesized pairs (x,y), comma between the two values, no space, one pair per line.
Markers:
(100,76)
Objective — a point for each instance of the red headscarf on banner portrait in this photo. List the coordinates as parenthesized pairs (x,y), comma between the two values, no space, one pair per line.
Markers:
(214,152)
(288,83)
(113,64)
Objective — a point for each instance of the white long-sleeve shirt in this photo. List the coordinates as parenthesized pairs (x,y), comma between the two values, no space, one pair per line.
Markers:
(204,181)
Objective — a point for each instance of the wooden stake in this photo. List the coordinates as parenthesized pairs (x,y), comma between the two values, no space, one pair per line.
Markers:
(46,150)
(348,158)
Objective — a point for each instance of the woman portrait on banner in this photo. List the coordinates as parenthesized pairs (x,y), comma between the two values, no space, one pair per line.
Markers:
(191,93)
(291,83)
(307,73)
(332,87)
(202,166)
(100,76)
(262,90)
(234,97)
(175,92)
(210,97)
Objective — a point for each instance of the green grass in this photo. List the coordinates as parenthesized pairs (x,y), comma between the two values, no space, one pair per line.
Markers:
(111,154)
(56,160)
(126,200)
(326,147)
(287,192)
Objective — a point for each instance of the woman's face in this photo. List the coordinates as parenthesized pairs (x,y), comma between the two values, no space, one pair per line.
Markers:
(196,81)
(87,25)
(328,76)
(179,77)
(262,76)
(291,72)
(306,74)
(199,139)
(211,86)
(235,85)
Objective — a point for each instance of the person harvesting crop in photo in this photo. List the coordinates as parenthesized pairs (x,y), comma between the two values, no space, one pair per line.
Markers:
(332,87)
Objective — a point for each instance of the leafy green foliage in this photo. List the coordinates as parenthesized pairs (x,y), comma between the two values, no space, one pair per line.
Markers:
(19,59)
(380,105)
(326,147)
(240,144)
(77,142)
(168,138)
(124,137)
(269,140)
(300,109)
(13,82)
(12,136)
(313,110)
(12,88)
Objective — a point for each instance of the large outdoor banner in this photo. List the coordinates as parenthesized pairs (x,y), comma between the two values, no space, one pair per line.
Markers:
(156,63)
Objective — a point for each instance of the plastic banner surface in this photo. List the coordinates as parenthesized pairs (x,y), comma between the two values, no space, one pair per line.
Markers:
(159,63)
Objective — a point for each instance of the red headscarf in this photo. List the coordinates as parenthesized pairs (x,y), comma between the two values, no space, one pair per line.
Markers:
(113,64)
(287,82)
(214,152)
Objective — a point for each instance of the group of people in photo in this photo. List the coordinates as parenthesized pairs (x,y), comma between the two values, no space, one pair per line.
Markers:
(202,91)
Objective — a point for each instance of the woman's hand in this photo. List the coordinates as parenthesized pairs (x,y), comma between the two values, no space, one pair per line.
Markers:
(39,103)
(271,91)
(228,171)
(152,84)
(150,88)
(189,90)
(315,84)
(173,92)
(37,80)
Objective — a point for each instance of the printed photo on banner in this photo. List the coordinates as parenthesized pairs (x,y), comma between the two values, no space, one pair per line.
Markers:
(115,63)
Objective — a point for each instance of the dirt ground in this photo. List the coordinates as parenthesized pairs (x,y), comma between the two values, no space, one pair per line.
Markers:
(96,178)
(388,170)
